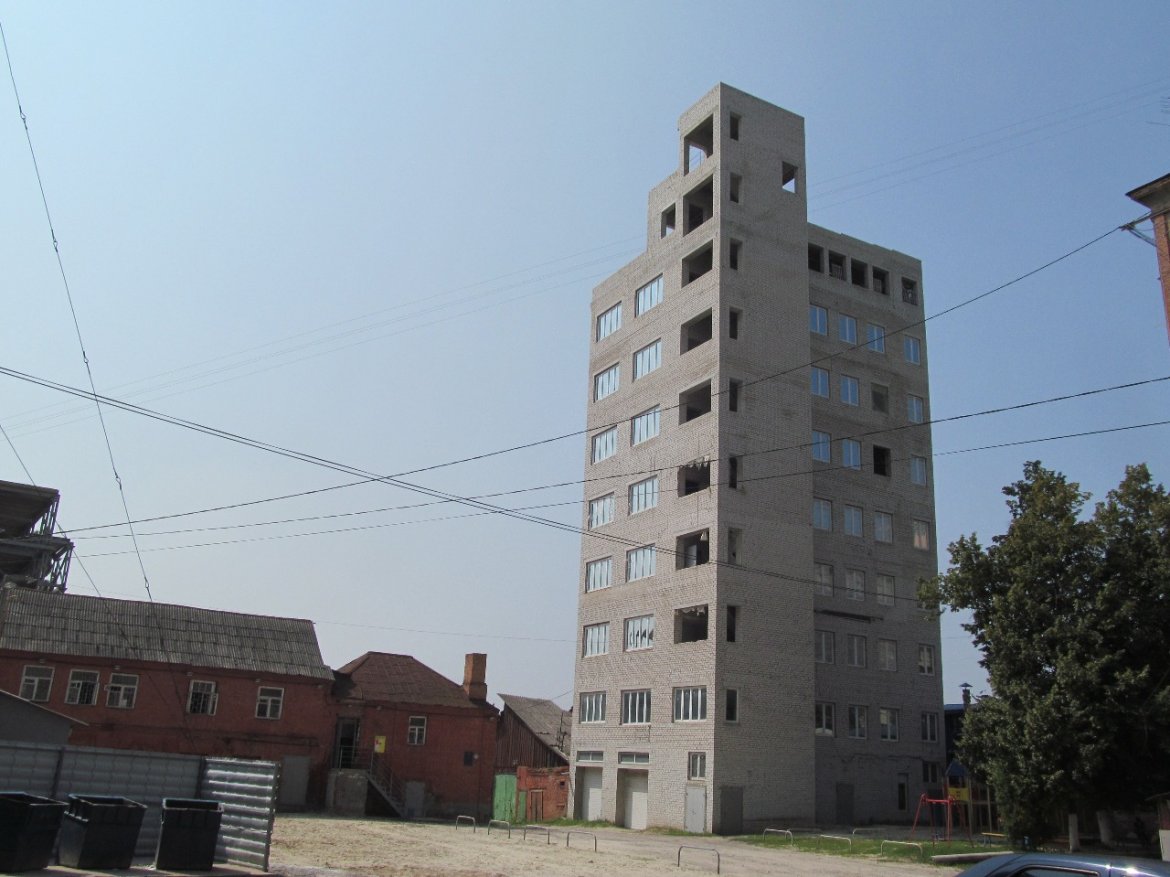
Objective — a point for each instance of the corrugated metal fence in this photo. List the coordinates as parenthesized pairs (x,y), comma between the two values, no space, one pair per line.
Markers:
(246,789)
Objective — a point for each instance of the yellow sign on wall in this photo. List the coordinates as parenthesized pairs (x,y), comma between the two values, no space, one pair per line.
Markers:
(380,745)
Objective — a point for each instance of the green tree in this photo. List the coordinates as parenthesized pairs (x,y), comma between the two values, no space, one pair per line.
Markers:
(1071,616)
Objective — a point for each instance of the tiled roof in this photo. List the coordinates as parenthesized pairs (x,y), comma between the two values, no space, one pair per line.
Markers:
(544,718)
(378,676)
(99,627)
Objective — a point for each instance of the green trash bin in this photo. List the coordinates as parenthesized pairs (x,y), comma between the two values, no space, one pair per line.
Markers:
(28,829)
(188,835)
(99,831)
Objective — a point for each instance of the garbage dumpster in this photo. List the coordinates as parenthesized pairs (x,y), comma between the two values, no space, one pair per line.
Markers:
(189,833)
(99,831)
(28,828)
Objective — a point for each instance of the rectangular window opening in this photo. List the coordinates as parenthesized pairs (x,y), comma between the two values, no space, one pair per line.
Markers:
(881,461)
(667,227)
(699,145)
(836,265)
(698,206)
(690,624)
(694,403)
(731,713)
(816,258)
(696,332)
(858,273)
(609,321)
(643,426)
(734,541)
(690,704)
(734,254)
(879,396)
(635,711)
(788,175)
(733,472)
(36,683)
(733,189)
(694,549)
(639,633)
(733,127)
(694,477)
(269,703)
(732,623)
(696,765)
(881,281)
(733,323)
(909,291)
(648,359)
(734,391)
(696,265)
(646,297)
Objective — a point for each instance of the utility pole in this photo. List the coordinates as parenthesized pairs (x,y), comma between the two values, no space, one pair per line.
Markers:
(1155,196)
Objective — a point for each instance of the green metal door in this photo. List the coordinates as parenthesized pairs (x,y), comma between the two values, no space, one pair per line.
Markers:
(504,797)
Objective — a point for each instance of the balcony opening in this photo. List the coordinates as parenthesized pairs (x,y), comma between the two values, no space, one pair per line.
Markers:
(696,332)
(788,177)
(694,549)
(881,282)
(694,402)
(836,265)
(733,323)
(699,144)
(734,391)
(858,272)
(698,206)
(690,624)
(694,477)
(881,461)
(816,258)
(668,221)
(733,189)
(733,255)
(733,127)
(696,265)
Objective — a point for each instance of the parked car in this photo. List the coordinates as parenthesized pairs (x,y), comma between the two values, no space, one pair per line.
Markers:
(1067,865)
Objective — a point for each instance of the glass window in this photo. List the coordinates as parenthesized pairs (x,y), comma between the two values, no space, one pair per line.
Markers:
(269,703)
(202,698)
(605,444)
(853,525)
(851,453)
(36,683)
(696,765)
(606,383)
(636,707)
(598,574)
(847,329)
(122,691)
(640,563)
(643,495)
(887,655)
(600,511)
(633,758)
(644,426)
(83,688)
(590,755)
(818,320)
(855,650)
(416,731)
(918,470)
(912,347)
(858,719)
(690,704)
(883,527)
(825,647)
(915,410)
(823,719)
(823,573)
(639,633)
(595,639)
(925,659)
(888,720)
(647,359)
(922,535)
(819,382)
(592,707)
(930,727)
(609,322)
(648,296)
(822,514)
(854,584)
(885,590)
(821,446)
(875,338)
(850,394)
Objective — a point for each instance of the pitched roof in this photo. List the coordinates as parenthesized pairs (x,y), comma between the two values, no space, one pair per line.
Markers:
(545,719)
(378,676)
(100,627)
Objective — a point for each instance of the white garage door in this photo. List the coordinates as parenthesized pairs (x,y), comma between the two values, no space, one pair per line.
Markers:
(590,780)
(635,791)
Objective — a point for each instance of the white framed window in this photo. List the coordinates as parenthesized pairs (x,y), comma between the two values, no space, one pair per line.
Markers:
(416,731)
(884,587)
(595,639)
(636,707)
(883,527)
(912,348)
(819,382)
(855,650)
(818,320)
(854,584)
(824,722)
(36,683)
(640,563)
(853,521)
(918,470)
(647,359)
(590,755)
(644,426)
(850,391)
(609,321)
(851,454)
(604,445)
(639,633)
(847,329)
(633,758)
(269,703)
(592,707)
(643,495)
(887,650)
(83,688)
(605,383)
(202,698)
(915,409)
(858,721)
(598,574)
(926,659)
(690,704)
(822,514)
(696,765)
(648,296)
(921,530)
(821,446)
(930,728)
(600,511)
(875,338)
(824,642)
(888,722)
(122,692)
(823,574)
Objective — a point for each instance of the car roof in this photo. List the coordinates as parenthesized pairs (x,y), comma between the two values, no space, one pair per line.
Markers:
(1098,861)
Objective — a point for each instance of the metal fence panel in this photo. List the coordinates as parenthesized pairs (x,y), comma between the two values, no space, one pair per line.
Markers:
(247,790)
(29,767)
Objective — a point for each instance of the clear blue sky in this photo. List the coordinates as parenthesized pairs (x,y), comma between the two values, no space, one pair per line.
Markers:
(369,231)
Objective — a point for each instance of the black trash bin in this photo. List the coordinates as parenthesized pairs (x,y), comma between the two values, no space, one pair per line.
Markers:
(189,833)
(28,828)
(99,831)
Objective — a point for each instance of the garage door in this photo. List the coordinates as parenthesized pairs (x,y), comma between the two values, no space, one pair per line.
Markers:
(590,784)
(635,797)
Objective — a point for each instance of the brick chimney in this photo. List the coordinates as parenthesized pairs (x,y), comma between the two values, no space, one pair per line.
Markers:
(474,675)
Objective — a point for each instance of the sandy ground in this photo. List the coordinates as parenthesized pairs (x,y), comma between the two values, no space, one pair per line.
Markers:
(322,846)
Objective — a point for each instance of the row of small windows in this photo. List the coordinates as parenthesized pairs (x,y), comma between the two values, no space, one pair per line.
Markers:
(849,393)
(856,655)
(645,298)
(859,273)
(850,452)
(857,724)
(875,335)
(84,689)
(854,587)
(689,704)
(640,564)
(852,523)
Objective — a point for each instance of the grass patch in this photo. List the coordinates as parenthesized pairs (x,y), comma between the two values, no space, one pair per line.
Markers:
(565,822)
(866,846)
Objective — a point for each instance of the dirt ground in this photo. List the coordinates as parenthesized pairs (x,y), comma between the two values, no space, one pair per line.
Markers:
(322,846)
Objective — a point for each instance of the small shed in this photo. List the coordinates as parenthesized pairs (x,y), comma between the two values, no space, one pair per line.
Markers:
(22,721)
